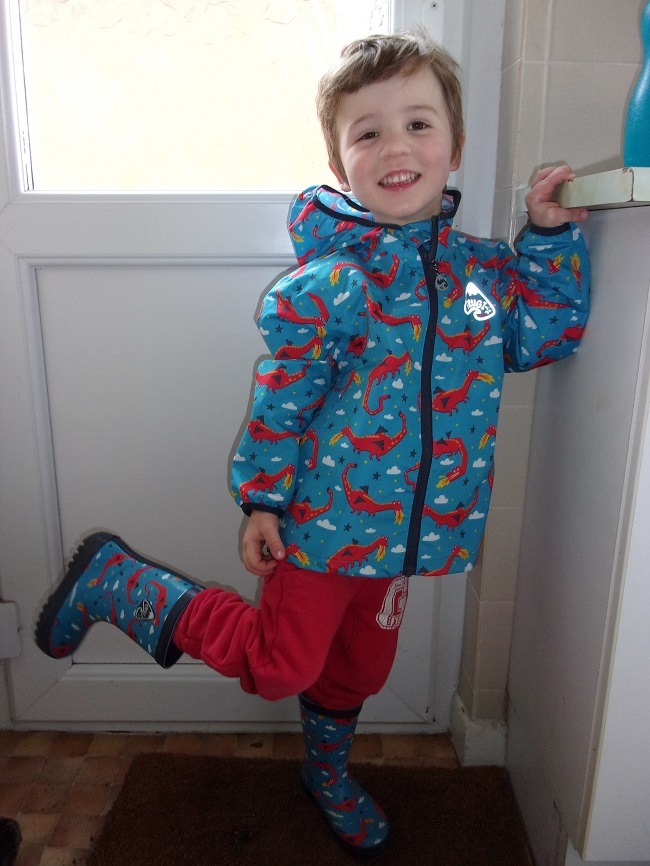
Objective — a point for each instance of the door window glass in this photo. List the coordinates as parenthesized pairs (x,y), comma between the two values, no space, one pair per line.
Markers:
(181,94)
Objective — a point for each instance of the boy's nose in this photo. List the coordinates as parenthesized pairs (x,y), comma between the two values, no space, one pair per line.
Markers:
(394,144)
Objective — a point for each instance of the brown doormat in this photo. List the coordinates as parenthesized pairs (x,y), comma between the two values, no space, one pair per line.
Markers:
(206,811)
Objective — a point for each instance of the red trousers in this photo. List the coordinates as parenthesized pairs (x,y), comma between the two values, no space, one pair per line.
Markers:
(330,636)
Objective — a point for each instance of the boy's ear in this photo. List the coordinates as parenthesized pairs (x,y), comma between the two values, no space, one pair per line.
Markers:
(343,181)
(456,158)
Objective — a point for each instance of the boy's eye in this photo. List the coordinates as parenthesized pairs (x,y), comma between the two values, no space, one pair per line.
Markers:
(418,125)
(367,136)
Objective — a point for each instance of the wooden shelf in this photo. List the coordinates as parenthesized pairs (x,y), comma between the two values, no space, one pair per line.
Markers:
(622,187)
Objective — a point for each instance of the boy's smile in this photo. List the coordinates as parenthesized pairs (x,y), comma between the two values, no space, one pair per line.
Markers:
(395,147)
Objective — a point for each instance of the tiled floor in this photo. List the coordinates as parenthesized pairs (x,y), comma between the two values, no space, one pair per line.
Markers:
(60,786)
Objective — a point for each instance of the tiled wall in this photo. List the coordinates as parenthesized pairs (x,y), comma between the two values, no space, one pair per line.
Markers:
(568,67)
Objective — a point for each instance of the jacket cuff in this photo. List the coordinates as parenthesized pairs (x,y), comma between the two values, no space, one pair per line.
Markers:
(550,230)
(249,507)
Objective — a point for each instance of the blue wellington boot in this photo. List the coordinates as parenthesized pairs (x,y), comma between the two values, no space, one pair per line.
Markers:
(107,581)
(356,820)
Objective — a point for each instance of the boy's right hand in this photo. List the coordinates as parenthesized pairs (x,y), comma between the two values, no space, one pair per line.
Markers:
(262,547)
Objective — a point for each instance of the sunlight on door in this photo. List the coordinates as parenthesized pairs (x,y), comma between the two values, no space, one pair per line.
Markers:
(181,94)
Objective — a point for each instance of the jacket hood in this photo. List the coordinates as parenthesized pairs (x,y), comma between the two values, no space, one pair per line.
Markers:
(333,220)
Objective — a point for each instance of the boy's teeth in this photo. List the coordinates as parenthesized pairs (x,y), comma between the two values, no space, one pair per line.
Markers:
(402,177)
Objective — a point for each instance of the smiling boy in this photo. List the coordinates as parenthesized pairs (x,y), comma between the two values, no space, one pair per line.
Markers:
(368,454)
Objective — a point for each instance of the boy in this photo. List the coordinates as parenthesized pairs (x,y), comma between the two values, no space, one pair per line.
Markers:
(389,343)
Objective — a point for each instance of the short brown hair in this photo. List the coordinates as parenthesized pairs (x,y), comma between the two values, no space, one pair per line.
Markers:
(377,58)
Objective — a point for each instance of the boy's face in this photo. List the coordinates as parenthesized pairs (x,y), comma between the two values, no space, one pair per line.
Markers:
(395,147)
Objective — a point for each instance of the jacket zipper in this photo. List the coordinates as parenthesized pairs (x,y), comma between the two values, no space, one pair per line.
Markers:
(428,258)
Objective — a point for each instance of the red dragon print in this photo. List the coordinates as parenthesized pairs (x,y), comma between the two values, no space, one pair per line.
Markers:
(264,481)
(260,432)
(303,512)
(359,500)
(291,352)
(573,333)
(490,433)
(445,270)
(453,518)
(279,377)
(376,444)
(448,401)
(575,269)
(376,311)
(293,550)
(346,557)
(444,448)
(380,279)
(286,310)
(517,287)
(446,568)
(464,340)
(310,436)
(390,366)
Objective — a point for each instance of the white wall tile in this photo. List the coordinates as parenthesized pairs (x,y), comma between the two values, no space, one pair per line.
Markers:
(596,31)
(537,24)
(586,104)
(511,455)
(470,634)
(513,32)
(508,125)
(519,389)
(529,153)
(501,554)
(501,214)
(493,649)
(489,704)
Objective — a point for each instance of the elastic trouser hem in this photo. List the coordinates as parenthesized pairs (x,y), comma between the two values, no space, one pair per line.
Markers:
(167,653)
(313,707)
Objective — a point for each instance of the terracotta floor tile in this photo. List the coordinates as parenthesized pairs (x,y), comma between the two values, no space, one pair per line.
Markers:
(437,750)
(254,745)
(63,857)
(46,797)
(365,746)
(8,741)
(98,771)
(36,829)
(144,743)
(288,746)
(184,744)
(70,745)
(62,771)
(22,769)
(399,746)
(75,831)
(219,745)
(12,797)
(104,745)
(35,743)
(86,800)
(29,855)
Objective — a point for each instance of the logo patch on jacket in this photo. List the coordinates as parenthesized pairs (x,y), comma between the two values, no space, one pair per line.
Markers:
(477,304)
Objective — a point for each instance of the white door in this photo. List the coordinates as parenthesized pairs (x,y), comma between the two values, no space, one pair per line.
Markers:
(127,347)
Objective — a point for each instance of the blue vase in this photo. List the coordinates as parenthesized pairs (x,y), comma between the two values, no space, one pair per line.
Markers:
(636,146)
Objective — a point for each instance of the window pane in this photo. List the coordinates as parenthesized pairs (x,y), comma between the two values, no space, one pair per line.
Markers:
(182,94)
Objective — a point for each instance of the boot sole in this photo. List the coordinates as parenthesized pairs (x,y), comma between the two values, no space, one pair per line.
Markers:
(365,854)
(80,561)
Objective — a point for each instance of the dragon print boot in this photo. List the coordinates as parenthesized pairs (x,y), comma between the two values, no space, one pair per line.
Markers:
(107,581)
(356,820)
